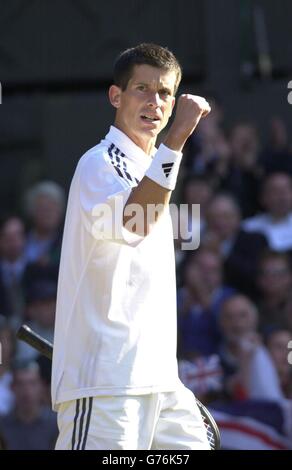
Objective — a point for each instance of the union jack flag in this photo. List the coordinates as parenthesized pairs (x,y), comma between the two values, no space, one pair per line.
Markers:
(254,425)
(202,375)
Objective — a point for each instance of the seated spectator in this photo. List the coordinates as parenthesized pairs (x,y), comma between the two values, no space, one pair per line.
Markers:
(274,282)
(196,194)
(249,369)
(243,174)
(7,344)
(277,340)
(45,208)
(40,312)
(199,301)
(36,272)
(12,265)
(45,366)
(30,425)
(239,249)
(277,156)
(207,149)
(276,222)
(197,190)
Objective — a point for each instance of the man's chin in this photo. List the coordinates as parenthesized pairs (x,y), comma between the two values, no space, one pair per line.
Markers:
(151,132)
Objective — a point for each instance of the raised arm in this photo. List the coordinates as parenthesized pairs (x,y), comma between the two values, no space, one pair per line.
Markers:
(156,186)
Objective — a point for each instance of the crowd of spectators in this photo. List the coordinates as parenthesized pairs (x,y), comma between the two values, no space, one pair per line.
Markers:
(235,290)
(30,248)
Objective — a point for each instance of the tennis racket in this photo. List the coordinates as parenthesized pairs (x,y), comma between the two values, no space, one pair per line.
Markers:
(43,346)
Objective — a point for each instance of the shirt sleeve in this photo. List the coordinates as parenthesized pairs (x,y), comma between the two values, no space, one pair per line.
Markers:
(103,196)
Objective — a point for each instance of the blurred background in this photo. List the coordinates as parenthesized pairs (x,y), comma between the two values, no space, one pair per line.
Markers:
(234,292)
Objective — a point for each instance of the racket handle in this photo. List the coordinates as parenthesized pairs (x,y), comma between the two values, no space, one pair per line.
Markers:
(36,341)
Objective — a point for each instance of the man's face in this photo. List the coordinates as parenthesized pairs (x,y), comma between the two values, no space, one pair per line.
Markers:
(12,239)
(223,218)
(278,346)
(144,107)
(275,277)
(47,213)
(27,387)
(237,318)
(277,195)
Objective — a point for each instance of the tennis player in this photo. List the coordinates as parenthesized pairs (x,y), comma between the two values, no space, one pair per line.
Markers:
(115,383)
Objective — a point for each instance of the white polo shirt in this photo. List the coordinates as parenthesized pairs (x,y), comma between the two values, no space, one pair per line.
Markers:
(278,233)
(115,330)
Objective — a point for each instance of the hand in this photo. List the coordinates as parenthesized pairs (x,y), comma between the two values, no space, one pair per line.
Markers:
(248,344)
(190,109)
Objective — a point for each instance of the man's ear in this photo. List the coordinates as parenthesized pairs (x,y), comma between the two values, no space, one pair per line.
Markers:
(114,94)
(172,104)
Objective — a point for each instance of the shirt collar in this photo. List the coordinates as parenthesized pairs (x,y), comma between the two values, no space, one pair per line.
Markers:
(128,147)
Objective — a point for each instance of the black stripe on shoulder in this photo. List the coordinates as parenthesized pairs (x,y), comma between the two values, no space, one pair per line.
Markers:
(118,160)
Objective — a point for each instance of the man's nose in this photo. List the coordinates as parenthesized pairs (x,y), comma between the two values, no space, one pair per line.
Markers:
(153,99)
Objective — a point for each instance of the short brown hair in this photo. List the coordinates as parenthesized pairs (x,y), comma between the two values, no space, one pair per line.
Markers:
(145,54)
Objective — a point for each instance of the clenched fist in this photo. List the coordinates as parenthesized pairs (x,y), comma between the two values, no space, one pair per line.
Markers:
(190,109)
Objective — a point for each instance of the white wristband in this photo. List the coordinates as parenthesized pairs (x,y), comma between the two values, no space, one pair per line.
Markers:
(164,167)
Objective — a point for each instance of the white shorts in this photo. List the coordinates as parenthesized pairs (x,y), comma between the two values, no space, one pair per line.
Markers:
(167,421)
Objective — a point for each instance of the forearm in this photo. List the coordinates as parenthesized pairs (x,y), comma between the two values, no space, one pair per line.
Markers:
(142,202)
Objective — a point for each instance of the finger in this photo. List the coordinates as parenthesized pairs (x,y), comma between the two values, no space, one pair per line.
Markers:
(206,111)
